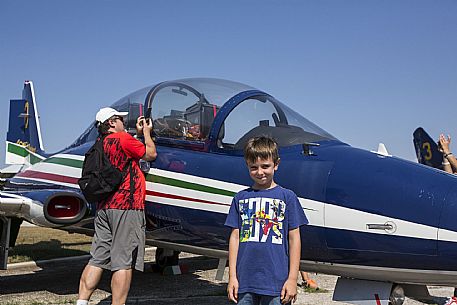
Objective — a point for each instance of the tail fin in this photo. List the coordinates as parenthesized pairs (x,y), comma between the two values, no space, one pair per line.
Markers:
(427,149)
(23,141)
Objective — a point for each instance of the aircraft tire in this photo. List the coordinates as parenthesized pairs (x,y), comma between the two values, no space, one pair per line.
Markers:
(163,260)
(397,296)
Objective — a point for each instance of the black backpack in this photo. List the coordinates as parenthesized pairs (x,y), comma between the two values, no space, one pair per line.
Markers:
(100,178)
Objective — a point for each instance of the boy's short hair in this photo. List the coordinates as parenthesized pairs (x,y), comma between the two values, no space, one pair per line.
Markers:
(261,147)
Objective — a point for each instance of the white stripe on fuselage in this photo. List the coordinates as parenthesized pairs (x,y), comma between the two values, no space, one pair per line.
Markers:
(337,217)
(59,169)
(232,187)
(68,156)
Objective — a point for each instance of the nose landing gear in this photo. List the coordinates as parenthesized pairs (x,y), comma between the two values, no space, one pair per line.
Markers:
(165,257)
(397,296)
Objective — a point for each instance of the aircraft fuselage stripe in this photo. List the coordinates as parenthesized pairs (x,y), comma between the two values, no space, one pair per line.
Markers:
(18,150)
(202,196)
(66,179)
(47,176)
(23,152)
(171,196)
(65,161)
(187,185)
(60,160)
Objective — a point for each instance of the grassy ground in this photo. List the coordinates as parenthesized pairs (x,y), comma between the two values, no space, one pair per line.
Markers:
(36,243)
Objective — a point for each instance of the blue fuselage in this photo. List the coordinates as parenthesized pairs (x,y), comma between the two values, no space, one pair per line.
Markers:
(366,188)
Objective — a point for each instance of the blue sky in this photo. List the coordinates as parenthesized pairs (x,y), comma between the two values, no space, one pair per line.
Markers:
(365,71)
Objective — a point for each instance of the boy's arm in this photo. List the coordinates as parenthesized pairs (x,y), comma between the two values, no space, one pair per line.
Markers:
(289,289)
(232,287)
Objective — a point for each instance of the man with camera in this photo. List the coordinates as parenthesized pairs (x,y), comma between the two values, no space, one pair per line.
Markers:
(119,239)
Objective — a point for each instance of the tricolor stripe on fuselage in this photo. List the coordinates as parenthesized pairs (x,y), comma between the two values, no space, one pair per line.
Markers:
(193,192)
(18,154)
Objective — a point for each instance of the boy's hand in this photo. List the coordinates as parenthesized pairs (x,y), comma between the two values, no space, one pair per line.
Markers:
(289,291)
(232,290)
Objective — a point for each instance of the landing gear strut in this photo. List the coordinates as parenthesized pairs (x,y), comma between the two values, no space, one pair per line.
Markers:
(9,229)
(5,227)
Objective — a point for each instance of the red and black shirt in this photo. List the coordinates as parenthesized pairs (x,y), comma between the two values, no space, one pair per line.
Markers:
(121,147)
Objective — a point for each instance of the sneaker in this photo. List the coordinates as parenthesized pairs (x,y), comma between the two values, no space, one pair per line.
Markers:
(451,301)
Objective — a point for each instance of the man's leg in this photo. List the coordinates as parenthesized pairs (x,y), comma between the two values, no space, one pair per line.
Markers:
(89,281)
(120,285)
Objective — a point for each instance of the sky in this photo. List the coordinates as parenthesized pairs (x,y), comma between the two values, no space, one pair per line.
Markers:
(365,71)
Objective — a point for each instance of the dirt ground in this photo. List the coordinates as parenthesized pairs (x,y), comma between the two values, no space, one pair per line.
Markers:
(57,283)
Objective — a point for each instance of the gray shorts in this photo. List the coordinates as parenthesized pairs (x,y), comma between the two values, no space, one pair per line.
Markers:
(118,241)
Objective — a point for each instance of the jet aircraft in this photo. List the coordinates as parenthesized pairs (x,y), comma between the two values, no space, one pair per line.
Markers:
(385,225)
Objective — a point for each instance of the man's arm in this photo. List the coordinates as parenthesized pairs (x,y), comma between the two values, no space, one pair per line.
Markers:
(289,289)
(453,162)
(449,160)
(450,164)
(151,152)
(232,287)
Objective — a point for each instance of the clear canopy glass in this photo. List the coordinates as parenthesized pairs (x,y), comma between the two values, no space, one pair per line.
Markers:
(185,109)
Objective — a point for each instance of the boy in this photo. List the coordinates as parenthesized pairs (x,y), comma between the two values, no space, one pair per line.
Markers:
(264,246)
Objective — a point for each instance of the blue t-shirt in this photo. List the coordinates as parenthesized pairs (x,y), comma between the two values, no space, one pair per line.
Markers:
(264,218)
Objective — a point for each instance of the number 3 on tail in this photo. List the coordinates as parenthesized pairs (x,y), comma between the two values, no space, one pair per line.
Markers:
(426,146)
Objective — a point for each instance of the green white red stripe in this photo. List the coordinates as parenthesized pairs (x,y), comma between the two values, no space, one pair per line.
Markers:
(192,192)
(18,154)
(162,186)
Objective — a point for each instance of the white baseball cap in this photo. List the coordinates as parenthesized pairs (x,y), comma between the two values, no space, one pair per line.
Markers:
(107,112)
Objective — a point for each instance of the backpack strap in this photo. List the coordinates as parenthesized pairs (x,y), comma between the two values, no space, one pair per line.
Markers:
(102,149)
(132,184)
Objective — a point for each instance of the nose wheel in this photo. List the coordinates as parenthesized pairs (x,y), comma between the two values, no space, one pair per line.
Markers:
(165,258)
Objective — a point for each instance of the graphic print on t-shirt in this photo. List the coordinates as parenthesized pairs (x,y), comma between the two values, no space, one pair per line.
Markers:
(261,218)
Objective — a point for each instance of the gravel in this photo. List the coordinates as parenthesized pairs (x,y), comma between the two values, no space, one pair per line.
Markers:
(57,283)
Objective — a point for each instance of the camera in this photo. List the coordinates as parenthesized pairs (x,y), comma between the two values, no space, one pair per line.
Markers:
(147,120)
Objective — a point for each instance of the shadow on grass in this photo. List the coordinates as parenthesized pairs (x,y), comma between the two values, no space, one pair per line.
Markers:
(44,250)
(62,280)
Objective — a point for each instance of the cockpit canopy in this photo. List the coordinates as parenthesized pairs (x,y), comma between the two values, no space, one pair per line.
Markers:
(186,110)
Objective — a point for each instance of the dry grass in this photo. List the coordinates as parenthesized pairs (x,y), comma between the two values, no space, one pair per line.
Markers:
(36,243)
